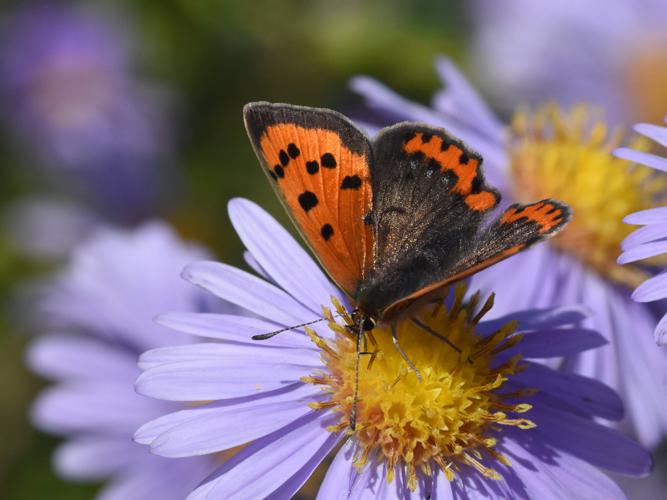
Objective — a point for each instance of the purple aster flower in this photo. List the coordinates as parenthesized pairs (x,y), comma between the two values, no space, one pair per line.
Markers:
(484,422)
(574,51)
(99,311)
(68,94)
(47,227)
(564,154)
(650,240)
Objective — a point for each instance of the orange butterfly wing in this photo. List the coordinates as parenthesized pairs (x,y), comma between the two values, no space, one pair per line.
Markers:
(318,164)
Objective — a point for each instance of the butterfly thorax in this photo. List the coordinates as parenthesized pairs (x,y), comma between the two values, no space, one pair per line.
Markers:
(393,285)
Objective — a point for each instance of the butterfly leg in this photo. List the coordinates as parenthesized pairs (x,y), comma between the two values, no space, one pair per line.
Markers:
(431,331)
(355,400)
(394,336)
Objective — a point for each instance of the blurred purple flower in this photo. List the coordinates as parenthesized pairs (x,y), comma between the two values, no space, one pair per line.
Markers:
(651,239)
(99,313)
(573,51)
(561,271)
(288,400)
(69,95)
(47,227)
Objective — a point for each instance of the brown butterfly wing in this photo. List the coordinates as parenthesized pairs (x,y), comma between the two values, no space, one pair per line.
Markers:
(429,205)
(318,163)
(518,228)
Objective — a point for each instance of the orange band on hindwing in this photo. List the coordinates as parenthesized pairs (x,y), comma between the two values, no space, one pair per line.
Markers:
(545,214)
(454,158)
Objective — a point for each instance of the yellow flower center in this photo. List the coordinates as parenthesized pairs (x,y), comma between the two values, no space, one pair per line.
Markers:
(446,420)
(568,156)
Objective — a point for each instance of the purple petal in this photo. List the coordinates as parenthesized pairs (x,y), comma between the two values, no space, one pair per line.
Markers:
(462,100)
(563,476)
(656,215)
(112,408)
(470,485)
(274,466)
(279,255)
(644,235)
(655,132)
(379,96)
(160,478)
(643,252)
(343,481)
(371,484)
(590,441)
(661,331)
(95,458)
(643,366)
(227,427)
(583,393)
(648,159)
(70,357)
(248,291)
(224,353)
(538,319)
(255,266)
(341,475)
(558,342)
(206,380)
(301,393)
(652,289)
(119,280)
(233,328)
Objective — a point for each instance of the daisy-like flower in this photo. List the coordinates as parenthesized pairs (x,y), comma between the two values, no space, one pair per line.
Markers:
(69,95)
(485,422)
(564,154)
(574,51)
(650,240)
(99,312)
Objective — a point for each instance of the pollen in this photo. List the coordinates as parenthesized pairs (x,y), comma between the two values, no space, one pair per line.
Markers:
(451,418)
(568,156)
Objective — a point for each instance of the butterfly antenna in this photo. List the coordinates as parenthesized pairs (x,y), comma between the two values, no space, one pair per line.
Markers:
(265,336)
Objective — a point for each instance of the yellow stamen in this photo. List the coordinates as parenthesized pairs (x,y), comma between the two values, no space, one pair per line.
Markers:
(450,419)
(568,156)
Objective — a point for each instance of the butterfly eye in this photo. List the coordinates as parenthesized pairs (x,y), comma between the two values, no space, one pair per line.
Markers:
(368,324)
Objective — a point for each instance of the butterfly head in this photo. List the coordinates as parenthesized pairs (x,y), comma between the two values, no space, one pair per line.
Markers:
(363,321)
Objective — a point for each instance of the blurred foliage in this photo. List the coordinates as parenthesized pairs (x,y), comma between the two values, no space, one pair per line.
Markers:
(213,56)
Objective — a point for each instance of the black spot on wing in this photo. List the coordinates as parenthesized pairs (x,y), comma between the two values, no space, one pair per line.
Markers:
(351,182)
(312,167)
(284,159)
(293,151)
(327,232)
(279,171)
(308,200)
(273,175)
(328,160)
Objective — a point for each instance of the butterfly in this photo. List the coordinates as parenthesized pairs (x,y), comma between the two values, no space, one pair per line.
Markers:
(394,219)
